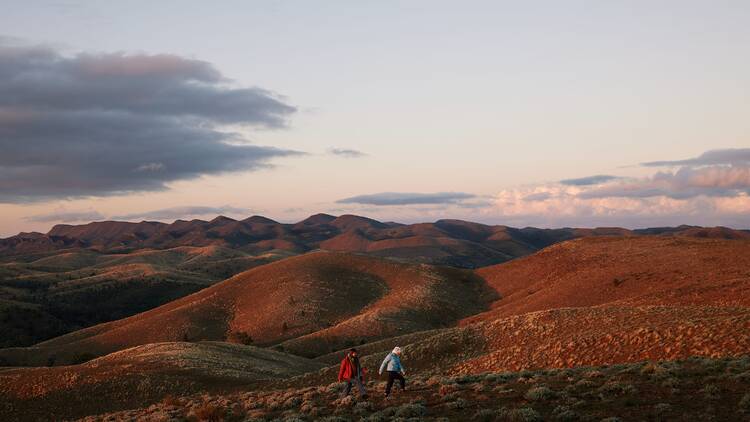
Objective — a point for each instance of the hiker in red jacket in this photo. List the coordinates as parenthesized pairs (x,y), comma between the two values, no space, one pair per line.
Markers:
(352,372)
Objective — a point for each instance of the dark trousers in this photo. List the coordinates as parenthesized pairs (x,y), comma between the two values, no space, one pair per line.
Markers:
(392,376)
(348,387)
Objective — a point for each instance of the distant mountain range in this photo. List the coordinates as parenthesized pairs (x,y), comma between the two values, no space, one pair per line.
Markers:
(447,242)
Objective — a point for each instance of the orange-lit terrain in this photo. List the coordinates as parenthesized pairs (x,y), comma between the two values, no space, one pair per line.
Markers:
(284,319)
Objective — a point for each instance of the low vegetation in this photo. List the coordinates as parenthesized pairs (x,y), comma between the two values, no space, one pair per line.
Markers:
(607,393)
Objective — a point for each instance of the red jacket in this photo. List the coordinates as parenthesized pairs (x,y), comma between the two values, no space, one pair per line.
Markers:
(347,370)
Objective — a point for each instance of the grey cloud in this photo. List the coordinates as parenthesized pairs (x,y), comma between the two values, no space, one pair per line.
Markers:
(402,198)
(590,180)
(175,213)
(541,196)
(66,217)
(348,153)
(102,124)
(737,156)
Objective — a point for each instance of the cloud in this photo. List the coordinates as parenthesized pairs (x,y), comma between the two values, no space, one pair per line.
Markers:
(66,216)
(347,153)
(713,189)
(103,124)
(399,198)
(176,213)
(566,206)
(540,196)
(150,167)
(737,156)
(590,180)
(687,182)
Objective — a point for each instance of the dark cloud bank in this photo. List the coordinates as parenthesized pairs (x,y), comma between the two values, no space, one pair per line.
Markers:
(100,124)
(403,198)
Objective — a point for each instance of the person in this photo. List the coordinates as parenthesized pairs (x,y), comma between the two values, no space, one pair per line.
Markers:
(396,371)
(351,372)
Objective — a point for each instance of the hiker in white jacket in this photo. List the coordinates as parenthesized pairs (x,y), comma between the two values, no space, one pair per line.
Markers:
(396,371)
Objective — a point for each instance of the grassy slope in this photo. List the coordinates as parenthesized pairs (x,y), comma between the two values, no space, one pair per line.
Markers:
(693,389)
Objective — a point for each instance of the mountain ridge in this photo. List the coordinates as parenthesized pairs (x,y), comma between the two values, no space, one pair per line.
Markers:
(451,242)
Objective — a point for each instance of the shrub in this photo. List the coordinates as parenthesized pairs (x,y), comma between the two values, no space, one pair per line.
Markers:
(485,415)
(210,413)
(446,389)
(593,374)
(564,413)
(711,391)
(480,388)
(170,400)
(585,384)
(502,389)
(363,407)
(745,404)
(450,397)
(671,382)
(662,408)
(292,402)
(521,414)
(411,410)
(309,396)
(459,403)
(434,380)
(611,389)
(539,393)
(240,337)
(344,401)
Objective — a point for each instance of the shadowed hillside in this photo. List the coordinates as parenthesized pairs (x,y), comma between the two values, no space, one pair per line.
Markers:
(143,374)
(47,296)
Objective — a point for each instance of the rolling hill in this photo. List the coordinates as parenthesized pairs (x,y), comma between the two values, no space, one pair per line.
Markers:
(67,290)
(142,374)
(76,276)
(624,271)
(593,300)
(314,303)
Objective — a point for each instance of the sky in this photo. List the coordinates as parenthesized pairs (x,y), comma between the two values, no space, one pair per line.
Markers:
(541,113)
